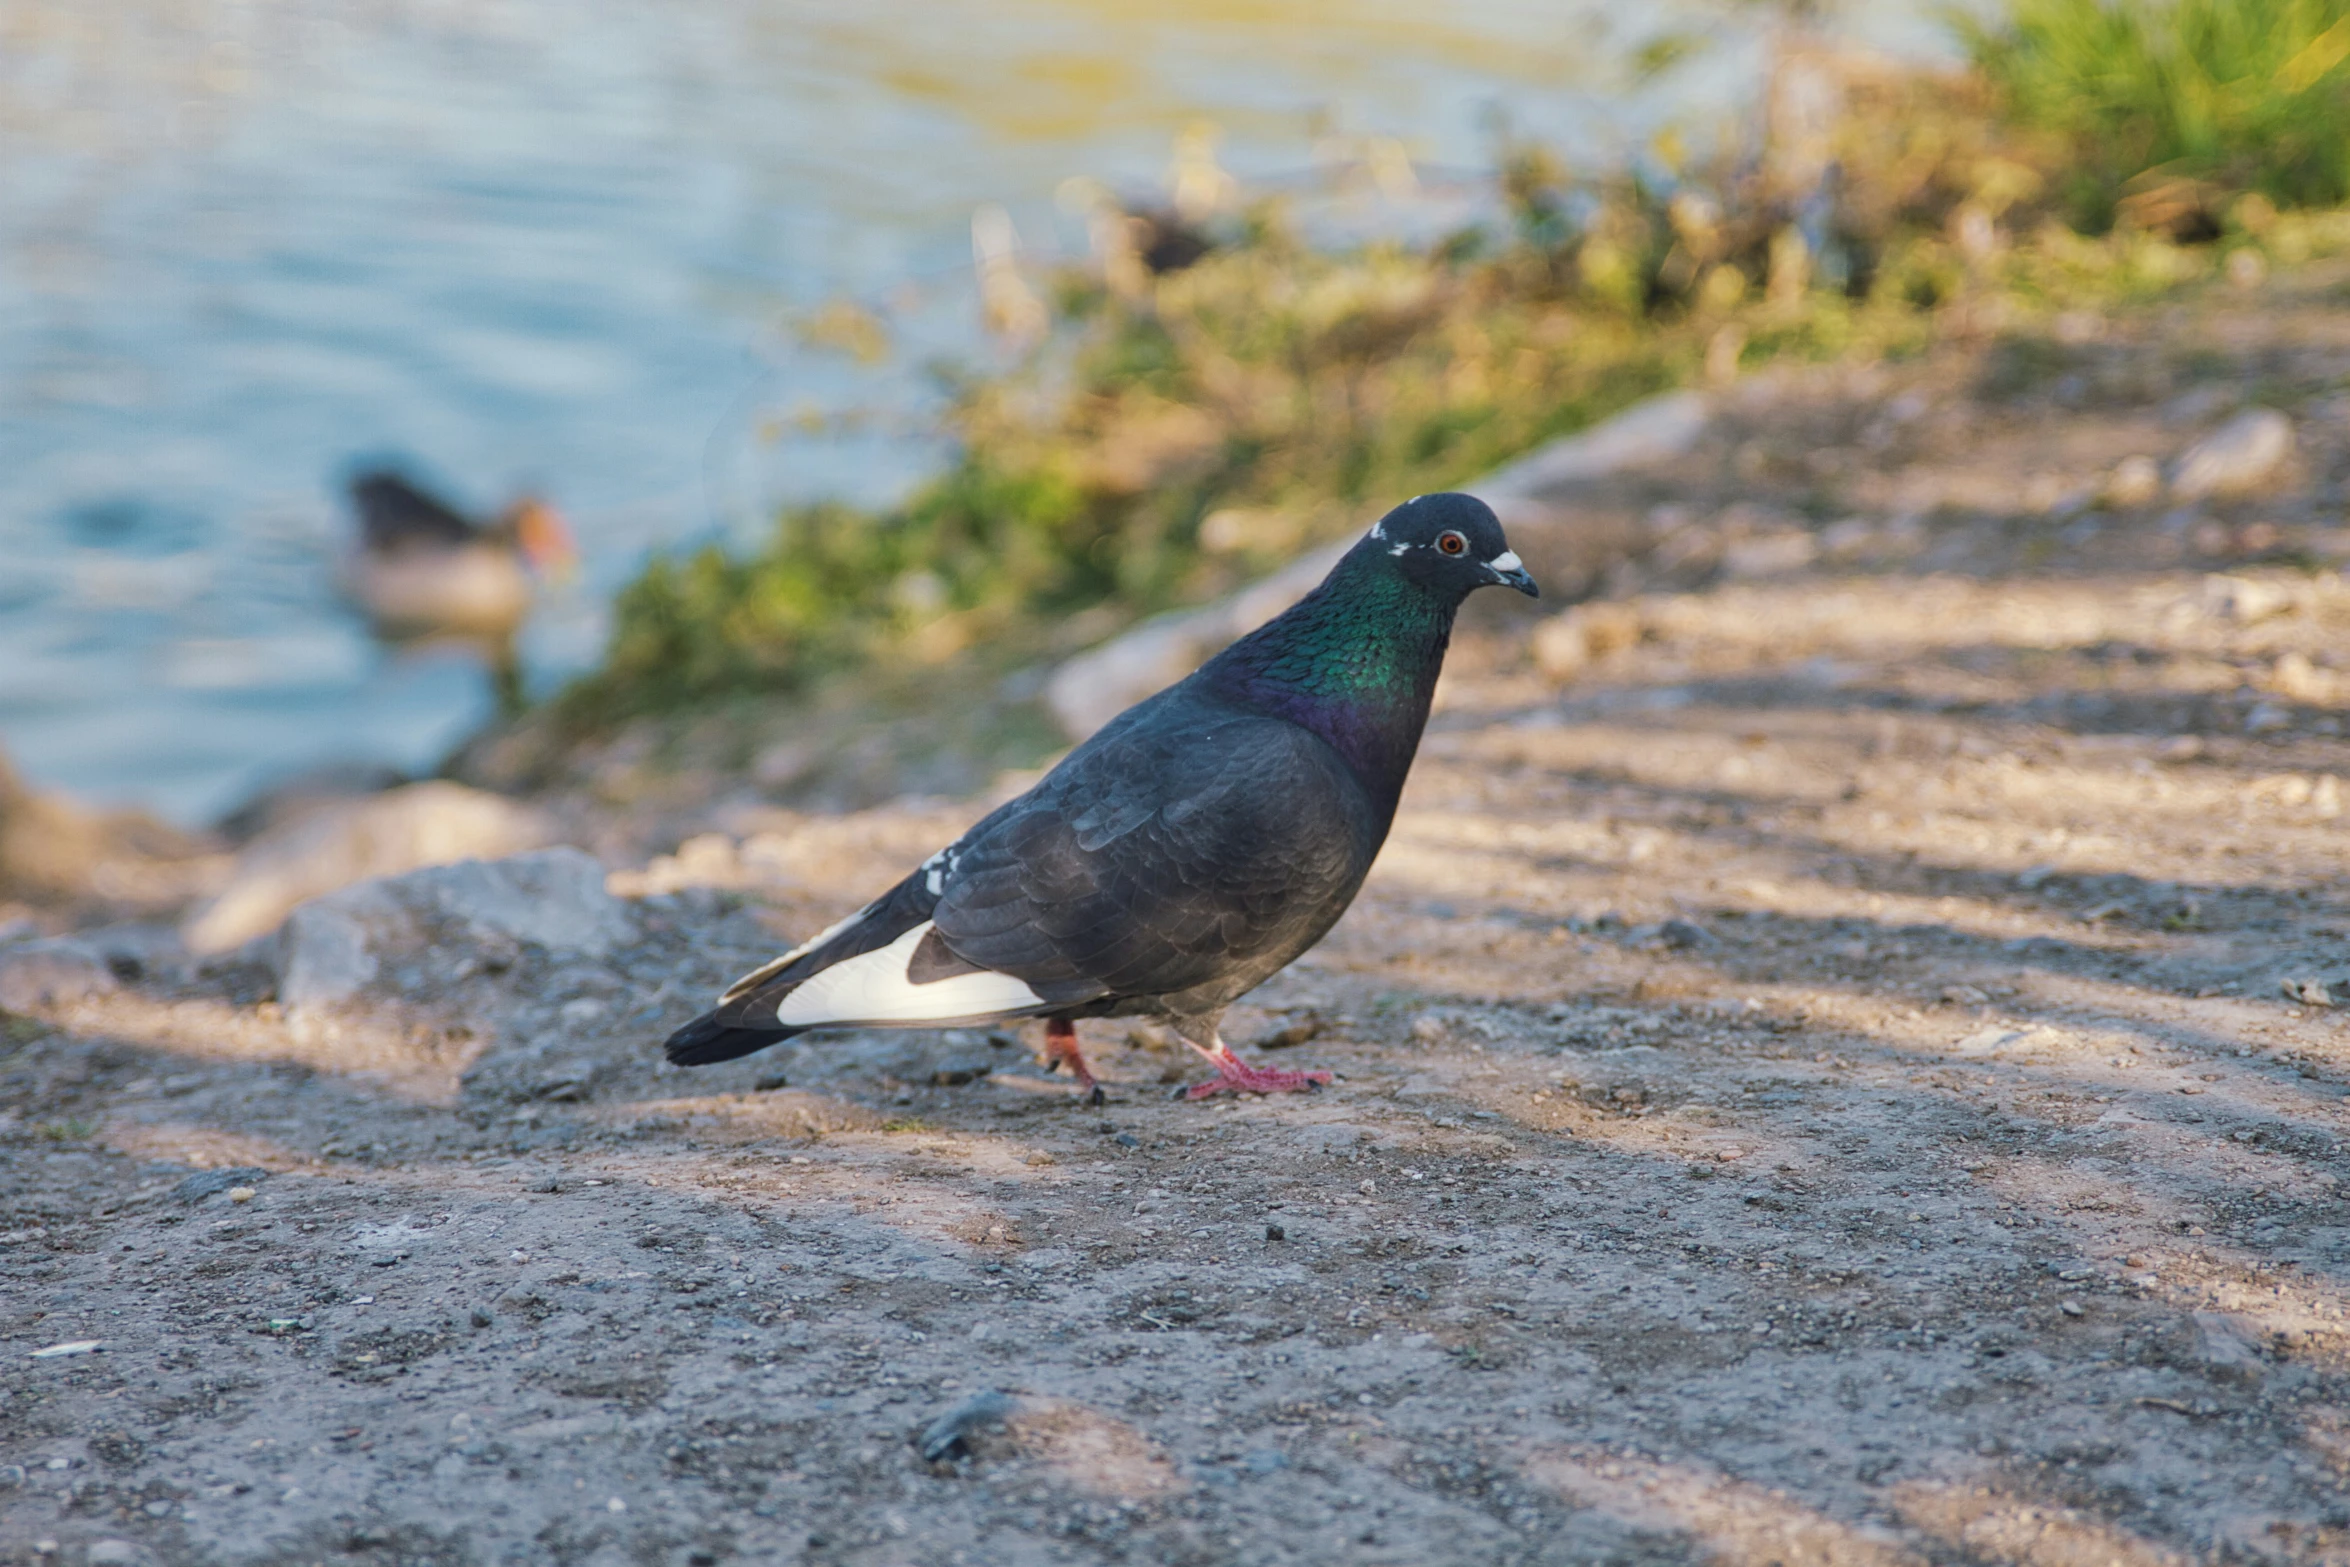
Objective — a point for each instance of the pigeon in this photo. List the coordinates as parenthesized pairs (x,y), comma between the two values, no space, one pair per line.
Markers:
(1192,848)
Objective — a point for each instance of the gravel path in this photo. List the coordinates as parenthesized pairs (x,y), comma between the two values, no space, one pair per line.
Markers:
(1836,1070)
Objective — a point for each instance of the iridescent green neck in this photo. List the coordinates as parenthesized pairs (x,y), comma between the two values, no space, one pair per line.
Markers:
(1355,661)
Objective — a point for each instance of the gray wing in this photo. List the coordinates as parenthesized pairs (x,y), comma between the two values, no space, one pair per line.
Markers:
(1165,856)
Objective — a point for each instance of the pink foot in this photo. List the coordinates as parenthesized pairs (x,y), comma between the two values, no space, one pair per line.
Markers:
(1060,1050)
(1235,1076)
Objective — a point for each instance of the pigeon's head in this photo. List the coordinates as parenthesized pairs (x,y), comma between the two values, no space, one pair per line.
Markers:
(1451,545)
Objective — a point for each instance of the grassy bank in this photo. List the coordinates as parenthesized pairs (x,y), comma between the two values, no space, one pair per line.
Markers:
(1171,433)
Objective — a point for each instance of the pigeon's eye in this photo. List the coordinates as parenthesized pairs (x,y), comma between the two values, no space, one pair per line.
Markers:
(1451,544)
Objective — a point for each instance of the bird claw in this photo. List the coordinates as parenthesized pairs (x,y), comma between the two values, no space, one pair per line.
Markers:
(1061,1054)
(1235,1076)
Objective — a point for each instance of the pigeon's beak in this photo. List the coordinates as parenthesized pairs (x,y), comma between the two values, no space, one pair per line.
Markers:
(1510,572)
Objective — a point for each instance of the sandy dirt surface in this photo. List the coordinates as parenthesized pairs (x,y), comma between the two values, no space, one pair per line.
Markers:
(1838,1069)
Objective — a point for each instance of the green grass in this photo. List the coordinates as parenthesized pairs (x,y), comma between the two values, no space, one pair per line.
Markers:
(1167,443)
(2242,95)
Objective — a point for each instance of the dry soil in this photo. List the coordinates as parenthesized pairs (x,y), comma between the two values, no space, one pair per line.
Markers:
(1836,1070)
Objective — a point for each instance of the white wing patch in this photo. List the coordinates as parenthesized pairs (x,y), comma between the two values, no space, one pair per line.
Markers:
(873,988)
(769,970)
(937,869)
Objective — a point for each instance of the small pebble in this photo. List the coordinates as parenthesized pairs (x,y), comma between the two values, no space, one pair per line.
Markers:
(1293,1035)
(947,1436)
(2072,1308)
(205,1183)
(2308,992)
(1274,1232)
(2135,481)
(1686,935)
(240,1194)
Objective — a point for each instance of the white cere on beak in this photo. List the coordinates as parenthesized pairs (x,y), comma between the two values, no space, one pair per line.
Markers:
(1507,560)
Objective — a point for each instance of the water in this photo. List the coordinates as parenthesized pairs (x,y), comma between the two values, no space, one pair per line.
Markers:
(560,243)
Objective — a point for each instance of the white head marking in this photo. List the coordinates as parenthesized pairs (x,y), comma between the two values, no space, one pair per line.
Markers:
(1507,560)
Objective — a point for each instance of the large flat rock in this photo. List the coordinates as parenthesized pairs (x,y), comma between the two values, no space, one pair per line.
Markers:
(335,947)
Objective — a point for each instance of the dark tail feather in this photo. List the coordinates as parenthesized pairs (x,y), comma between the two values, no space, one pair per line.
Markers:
(706,1040)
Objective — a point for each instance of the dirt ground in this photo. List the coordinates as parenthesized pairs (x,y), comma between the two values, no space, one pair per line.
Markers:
(1838,1069)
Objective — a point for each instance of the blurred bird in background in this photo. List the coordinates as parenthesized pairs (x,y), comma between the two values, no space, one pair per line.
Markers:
(423,571)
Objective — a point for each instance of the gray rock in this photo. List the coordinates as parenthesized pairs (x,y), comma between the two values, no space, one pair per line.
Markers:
(115,1553)
(327,951)
(37,974)
(2308,992)
(2241,457)
(334,947)
(208,1183)
(387,834)
(554,898)
(139,951)
(1686,936)
(1289,1035)
(2224,1345)
(949,1436)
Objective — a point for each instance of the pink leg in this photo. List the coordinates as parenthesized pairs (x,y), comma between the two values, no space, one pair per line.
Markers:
(1235,1076)
(1060,1050)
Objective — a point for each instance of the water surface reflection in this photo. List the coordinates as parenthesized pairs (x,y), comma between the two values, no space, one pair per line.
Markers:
(547,243)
